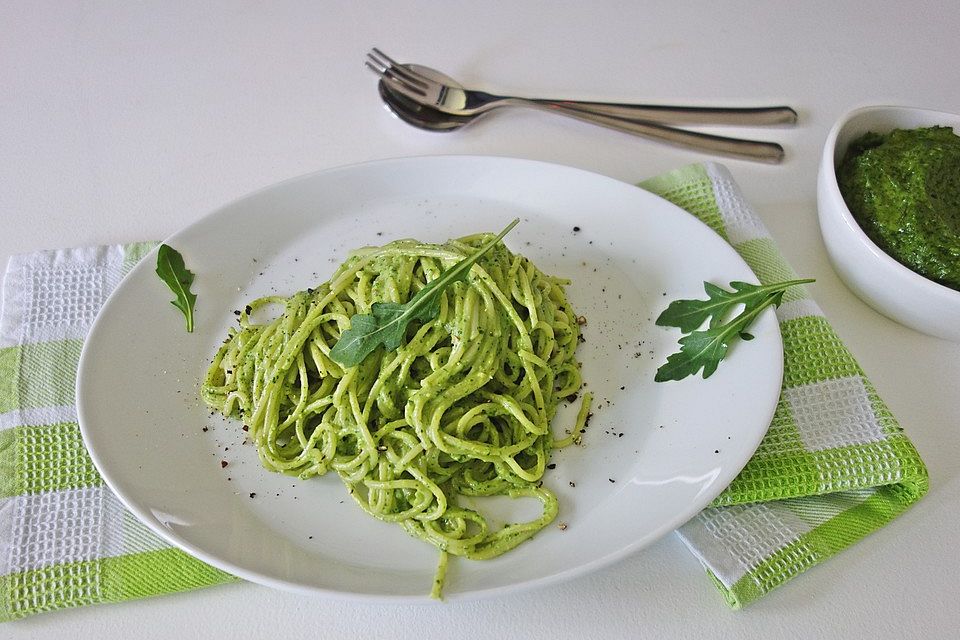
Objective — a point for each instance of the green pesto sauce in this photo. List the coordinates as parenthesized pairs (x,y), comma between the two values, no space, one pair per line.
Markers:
(903,188)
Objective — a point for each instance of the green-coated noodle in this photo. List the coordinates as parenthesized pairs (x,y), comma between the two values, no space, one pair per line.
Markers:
(462,408)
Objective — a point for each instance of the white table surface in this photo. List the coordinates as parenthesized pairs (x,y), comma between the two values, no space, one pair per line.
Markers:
(123,121)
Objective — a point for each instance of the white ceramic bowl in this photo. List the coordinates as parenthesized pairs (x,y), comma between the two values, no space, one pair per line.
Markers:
(882,282)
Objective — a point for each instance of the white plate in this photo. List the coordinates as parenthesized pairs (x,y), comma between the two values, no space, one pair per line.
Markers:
(653,456)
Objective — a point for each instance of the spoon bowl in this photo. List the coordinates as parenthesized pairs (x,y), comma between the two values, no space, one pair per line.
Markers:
(418,115)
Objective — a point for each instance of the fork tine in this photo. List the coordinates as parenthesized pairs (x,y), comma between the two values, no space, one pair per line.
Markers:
(389,73)
(414,93)
(377,70)
(381,54)
(411,76)
(396,83)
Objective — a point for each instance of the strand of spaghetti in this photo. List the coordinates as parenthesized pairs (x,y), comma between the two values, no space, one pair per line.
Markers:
(577,431)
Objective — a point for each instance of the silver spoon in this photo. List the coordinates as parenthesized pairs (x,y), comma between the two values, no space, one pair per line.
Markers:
(430,119)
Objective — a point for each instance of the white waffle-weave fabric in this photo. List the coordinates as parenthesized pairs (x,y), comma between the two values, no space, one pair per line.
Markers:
(835,464)
(65,539)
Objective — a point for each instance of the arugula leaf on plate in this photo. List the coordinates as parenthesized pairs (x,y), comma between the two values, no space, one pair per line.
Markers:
(704,349)
(173,271)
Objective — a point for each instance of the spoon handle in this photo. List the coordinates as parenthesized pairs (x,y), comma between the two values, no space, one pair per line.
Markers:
(668,114)
(768,152)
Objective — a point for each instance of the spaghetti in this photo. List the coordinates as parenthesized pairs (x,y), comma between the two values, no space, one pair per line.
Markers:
(461,409)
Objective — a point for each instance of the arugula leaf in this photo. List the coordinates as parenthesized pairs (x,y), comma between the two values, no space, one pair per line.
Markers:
(387,322)
(174,273)
(704,349)
(688,315)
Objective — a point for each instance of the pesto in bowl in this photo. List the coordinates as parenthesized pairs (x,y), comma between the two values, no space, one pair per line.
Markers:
(903,189)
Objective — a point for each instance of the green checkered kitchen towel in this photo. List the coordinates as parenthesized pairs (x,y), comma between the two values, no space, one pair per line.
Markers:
(833,467)
(65,538)
(834,464)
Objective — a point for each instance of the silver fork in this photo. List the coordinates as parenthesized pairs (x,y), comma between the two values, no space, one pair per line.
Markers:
(452,98)
(446,95)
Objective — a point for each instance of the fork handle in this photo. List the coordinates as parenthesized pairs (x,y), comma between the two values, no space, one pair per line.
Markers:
(667,114)
(768,152)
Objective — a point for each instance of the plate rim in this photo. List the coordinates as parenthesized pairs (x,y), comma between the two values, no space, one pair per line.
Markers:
(227,566)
